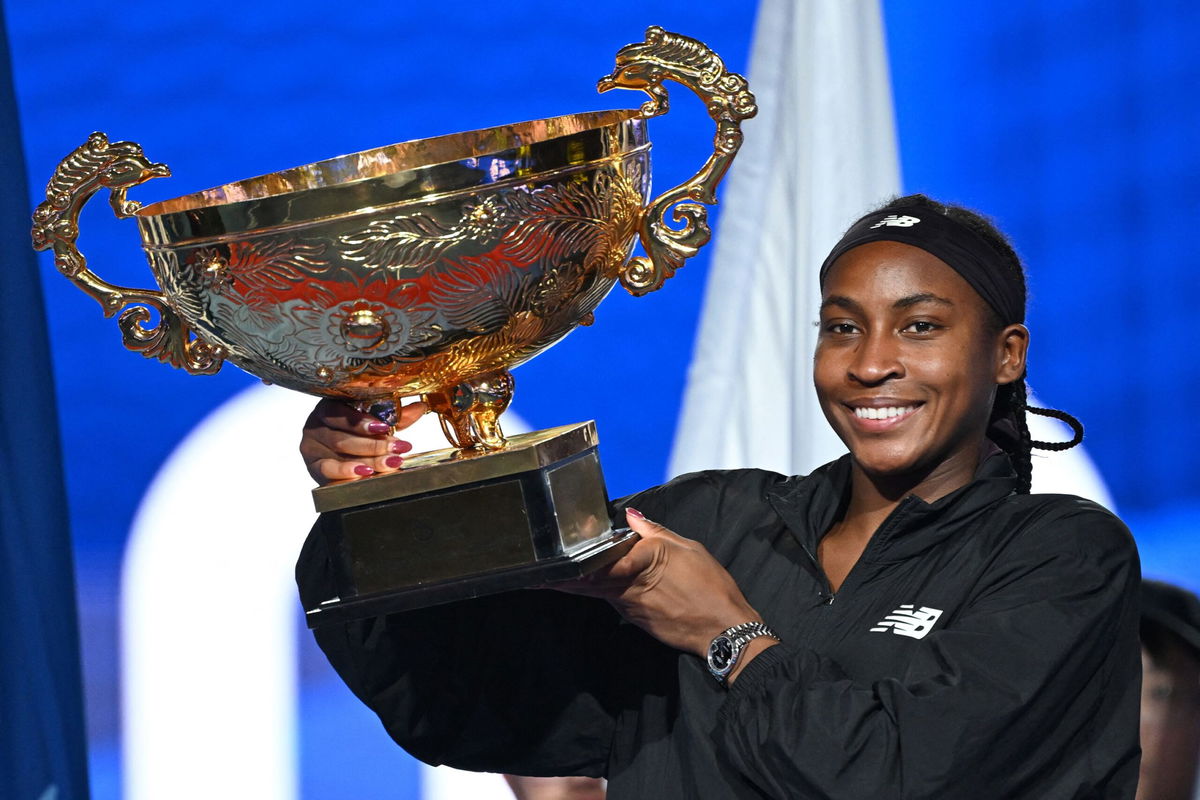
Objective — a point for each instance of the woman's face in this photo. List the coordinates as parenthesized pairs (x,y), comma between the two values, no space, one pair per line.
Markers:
(908,361)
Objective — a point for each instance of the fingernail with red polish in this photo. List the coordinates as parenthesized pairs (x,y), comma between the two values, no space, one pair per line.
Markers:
(378,427)
(393,461)
(363,470)
(401,446)
(633,512)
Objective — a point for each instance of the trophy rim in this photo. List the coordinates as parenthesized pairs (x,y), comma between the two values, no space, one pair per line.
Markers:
(391,162)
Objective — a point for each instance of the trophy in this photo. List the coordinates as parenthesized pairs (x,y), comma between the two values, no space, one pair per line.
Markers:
(430,267)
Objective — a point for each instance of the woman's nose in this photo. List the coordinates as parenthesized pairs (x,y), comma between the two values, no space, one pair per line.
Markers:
(876,360)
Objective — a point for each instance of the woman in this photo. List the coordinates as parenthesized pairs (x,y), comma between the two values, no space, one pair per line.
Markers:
(907,621)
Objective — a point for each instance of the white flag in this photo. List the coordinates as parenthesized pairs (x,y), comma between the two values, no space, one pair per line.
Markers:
(820,153)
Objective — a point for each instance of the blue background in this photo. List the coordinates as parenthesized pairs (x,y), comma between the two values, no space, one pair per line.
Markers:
(1075,124)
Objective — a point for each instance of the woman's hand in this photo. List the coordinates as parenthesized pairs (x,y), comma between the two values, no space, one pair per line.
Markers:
(340,443)
(671,587)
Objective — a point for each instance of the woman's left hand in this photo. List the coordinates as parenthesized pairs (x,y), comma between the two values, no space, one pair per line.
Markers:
(669,586)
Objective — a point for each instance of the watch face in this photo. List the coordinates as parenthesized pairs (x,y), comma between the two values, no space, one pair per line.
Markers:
(719,654)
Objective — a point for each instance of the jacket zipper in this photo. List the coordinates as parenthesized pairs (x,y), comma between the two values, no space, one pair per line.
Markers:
(827,595)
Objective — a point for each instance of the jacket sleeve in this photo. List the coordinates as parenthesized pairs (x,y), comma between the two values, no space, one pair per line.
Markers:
(1040,666)
(519,682)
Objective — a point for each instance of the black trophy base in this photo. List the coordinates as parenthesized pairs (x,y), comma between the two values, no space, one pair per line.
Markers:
(453,525)
(539,573)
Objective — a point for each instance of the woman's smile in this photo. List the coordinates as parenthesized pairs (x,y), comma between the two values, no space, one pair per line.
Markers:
(876,415)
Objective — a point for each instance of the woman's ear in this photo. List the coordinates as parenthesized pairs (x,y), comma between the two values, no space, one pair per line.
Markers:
(1013,345)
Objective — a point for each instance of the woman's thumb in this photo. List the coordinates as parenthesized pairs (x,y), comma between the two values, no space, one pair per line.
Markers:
(638,522)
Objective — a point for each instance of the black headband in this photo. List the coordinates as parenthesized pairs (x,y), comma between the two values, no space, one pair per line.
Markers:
(965,251)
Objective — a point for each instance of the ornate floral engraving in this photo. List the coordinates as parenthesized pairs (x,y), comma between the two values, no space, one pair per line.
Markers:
(254,267)
(511,274)
(412,243)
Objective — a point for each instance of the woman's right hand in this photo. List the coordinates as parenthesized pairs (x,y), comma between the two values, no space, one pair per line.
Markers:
(342,443)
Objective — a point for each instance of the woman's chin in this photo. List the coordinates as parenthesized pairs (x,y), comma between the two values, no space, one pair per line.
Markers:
(903,469)
(887,464)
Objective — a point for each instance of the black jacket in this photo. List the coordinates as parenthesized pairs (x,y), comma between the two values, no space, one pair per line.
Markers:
(984,645)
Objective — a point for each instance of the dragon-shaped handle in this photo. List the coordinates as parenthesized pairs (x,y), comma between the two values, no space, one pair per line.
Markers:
(670,56)
(99,164)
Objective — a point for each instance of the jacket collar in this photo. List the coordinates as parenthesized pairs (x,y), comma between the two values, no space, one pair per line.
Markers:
(809,505)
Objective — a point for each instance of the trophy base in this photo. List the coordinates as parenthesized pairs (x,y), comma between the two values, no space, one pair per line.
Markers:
(455,524)
(540,573)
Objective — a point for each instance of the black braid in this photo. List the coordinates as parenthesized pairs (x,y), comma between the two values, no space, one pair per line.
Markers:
(1009,427)
(1076,429)
(1020,454)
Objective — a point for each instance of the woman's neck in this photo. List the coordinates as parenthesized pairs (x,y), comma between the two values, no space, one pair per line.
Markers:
(874,497)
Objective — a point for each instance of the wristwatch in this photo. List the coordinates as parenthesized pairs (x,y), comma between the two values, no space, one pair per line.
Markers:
(725,650)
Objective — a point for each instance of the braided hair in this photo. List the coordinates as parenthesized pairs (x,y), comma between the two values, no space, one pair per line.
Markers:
(1007,426)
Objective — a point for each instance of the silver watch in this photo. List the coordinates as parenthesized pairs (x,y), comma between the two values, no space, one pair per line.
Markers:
(725,650)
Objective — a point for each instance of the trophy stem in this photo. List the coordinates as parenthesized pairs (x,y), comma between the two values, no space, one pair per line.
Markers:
(470,412)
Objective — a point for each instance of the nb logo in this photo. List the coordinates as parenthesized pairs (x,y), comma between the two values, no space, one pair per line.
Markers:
(895,221)
(907,621)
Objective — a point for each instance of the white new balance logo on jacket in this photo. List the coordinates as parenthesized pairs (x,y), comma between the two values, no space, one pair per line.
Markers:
(907,621)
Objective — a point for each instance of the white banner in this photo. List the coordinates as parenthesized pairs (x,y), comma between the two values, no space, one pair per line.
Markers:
(821,152)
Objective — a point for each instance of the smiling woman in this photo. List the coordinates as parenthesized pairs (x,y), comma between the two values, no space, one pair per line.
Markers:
(920,365)
(907,621)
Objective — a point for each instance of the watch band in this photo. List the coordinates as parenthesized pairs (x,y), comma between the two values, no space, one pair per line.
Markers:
(726,647)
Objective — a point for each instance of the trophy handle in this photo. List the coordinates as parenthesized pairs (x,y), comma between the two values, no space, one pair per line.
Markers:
(645,66)
(98,164)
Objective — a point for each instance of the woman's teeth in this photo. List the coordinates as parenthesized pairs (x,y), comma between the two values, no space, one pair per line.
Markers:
(883,413)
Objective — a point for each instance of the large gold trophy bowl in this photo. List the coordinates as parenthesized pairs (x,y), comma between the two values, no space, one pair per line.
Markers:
(431,268)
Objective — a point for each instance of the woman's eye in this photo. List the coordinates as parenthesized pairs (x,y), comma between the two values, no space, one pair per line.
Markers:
(922,326)
(840,328)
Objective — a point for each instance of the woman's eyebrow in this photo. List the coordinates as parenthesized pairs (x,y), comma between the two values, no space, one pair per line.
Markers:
(923,297)
(842,302)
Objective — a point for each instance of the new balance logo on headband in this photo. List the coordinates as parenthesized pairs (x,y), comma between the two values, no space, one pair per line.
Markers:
(896,221)
(907,621)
